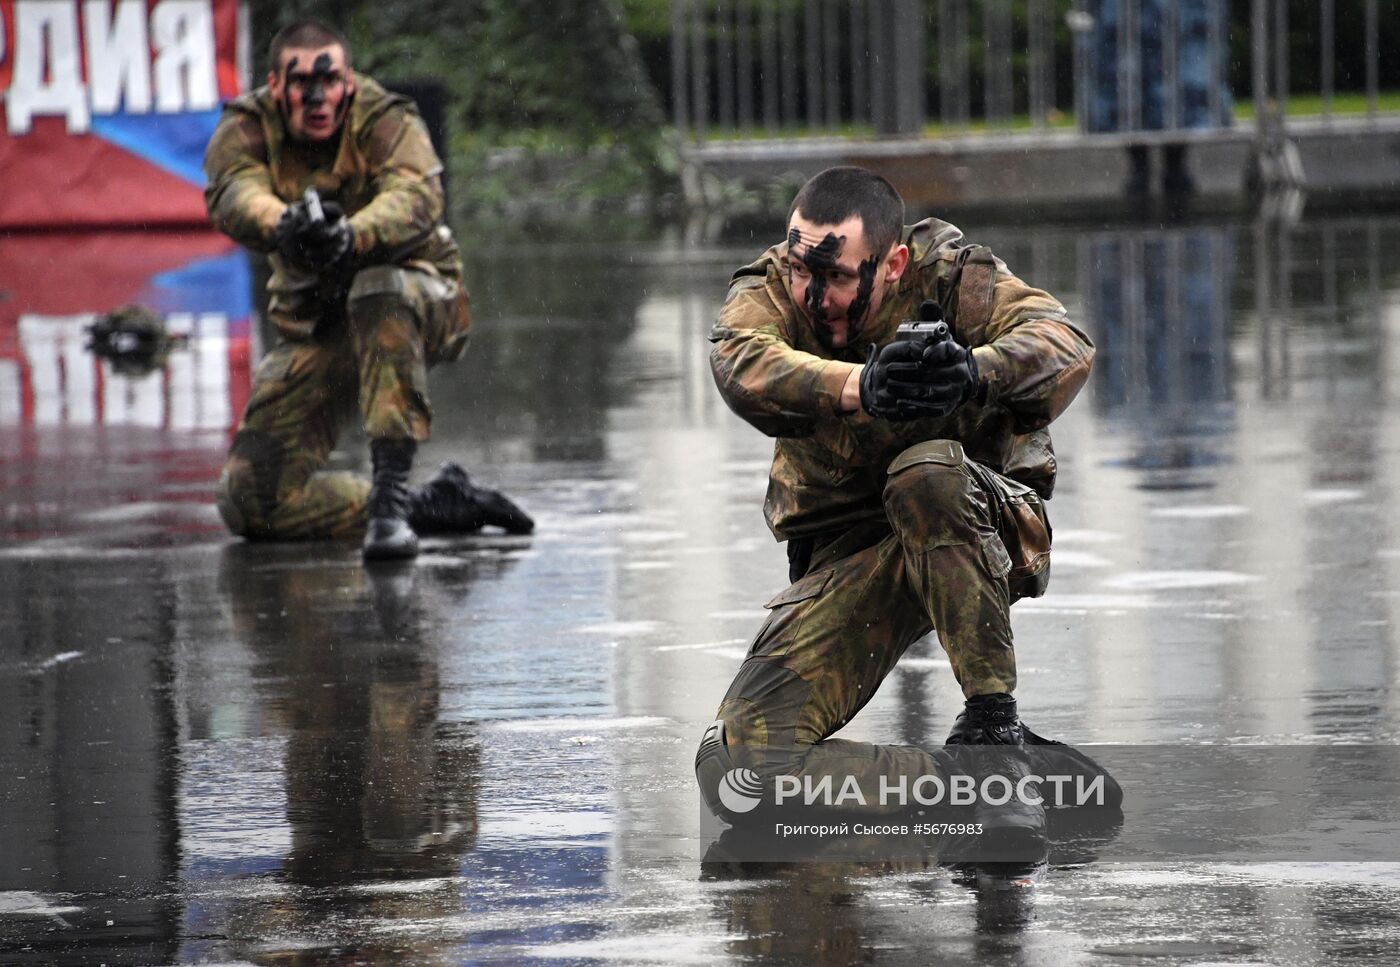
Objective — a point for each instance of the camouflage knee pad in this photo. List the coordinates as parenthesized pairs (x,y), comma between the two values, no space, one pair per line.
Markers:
(385,330)
(935,496)
(248,486)
(930,499)
(435,305)
(379,292)
(946,523)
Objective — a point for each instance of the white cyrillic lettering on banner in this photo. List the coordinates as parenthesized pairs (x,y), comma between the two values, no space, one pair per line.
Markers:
(47,78)
(182,32)
(118,56)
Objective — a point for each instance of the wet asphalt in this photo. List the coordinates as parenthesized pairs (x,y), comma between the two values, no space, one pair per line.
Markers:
(215,752)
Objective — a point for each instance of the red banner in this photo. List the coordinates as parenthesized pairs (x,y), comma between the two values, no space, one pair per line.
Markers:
(53,285)
(107,108)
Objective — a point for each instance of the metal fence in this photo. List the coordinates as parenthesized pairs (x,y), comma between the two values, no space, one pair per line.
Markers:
(752,68)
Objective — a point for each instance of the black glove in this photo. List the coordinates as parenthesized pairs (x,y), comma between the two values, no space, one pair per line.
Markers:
(909,381)
(317,245)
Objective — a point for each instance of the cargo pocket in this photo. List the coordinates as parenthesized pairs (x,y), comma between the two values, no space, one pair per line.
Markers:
(1025,530)
(994,554)
(448,312)
(786,611)
(929,499)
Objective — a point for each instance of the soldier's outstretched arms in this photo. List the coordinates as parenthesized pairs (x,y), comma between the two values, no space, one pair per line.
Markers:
(776,387)
(1029,358)
(406,177)
(1026,355)
(408,200)
(239,193)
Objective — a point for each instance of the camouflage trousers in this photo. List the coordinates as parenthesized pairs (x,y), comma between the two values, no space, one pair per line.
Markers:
(958,544)
(396,323)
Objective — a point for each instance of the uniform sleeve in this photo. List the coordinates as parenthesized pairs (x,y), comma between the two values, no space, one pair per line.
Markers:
(239,195)
(1034,361)
(781,390)
(406,175)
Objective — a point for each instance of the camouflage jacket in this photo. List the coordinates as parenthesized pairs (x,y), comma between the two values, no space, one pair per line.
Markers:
(381,169)
(829,466)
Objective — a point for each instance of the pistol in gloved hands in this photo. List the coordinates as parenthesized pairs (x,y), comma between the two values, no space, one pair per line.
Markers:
(315,234)
(924,372)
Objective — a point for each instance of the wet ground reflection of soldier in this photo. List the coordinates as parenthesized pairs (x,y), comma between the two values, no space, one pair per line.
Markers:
(831,915)
(378,789)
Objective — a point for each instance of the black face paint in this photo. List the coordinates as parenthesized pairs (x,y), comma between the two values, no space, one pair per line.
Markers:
(860,305)
(315,93)
(819,259)
(313,88)
(287,89)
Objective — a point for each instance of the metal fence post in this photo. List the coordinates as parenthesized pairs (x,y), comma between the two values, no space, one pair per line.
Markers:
(812,58)
(787,62)
(724,63)
(1085,63)
(1372,59)
(1171,65)
(680,82)
(699,74)
(1259,67)
(1328,67)
(953,66)
(769,77)
(1277,167)
(911,28)
(860,53)
(881,66)
(996,42)
(1216,54)
(743,36)
(1129,66)
(1040,62)
(1281,85)
(897,68)
(831,56)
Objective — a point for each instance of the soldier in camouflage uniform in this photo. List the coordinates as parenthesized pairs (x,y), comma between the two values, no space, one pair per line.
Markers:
(908,482)
(367,294)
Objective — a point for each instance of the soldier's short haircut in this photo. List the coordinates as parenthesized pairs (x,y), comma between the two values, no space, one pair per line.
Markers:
(304,33)
(836,194)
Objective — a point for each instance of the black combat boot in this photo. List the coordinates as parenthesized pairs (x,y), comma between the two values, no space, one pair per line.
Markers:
(987,741)
(1048,757)
(1054,758)
(388,536)
(987,720)
(450,504)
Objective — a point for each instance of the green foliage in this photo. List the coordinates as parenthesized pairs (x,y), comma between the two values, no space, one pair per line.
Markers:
(648,19)
(533,176)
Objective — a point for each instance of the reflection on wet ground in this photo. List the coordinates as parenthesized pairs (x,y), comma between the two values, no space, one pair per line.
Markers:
(266,754)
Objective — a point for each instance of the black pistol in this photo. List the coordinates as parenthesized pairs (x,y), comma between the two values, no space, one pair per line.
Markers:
(928,330)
